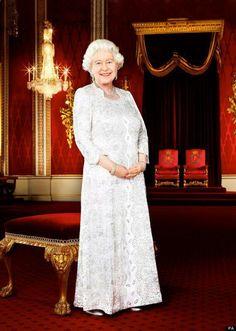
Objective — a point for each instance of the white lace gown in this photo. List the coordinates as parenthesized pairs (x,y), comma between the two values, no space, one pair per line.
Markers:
(116,266)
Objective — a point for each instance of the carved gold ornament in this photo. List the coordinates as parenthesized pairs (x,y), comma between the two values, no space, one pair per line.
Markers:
(232,107)
(5,247)
(60,253)
(67,114)
(61,257)
(179,25)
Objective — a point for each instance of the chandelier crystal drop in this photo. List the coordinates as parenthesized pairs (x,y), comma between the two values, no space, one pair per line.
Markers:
(52,79)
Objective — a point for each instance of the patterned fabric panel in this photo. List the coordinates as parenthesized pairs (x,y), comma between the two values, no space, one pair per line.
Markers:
(168,158)
(195,158)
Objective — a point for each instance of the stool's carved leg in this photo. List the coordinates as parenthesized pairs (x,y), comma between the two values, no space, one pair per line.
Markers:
(61,258)
(5,246)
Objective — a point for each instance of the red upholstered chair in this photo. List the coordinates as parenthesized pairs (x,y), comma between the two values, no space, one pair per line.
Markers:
(167,170)
(195,168)
(58,234)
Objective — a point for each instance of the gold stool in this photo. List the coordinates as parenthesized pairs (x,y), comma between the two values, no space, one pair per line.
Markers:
(58,234)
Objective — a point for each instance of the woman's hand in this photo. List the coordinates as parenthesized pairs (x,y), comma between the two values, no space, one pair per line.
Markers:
(121,171)
(136,170)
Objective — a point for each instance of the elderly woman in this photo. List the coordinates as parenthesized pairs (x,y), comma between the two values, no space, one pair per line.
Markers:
(116,266)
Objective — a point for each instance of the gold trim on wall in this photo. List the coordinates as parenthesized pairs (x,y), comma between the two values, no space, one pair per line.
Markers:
(42,111)
(232,107)
(5,97)
(48,138)
(1,122)
(98,19)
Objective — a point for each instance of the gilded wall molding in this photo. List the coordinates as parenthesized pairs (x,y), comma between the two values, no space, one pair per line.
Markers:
(232,100)
(48,139)
(1,120)
(41,108)
(98,19)
(5,96)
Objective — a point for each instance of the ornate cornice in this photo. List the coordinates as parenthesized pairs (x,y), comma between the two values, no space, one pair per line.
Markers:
(179,26)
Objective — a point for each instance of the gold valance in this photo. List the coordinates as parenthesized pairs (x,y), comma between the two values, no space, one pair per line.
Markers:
(177,60)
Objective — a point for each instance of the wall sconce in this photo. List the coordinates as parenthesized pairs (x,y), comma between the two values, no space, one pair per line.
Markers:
(67,114)
(125,83)
(232,100)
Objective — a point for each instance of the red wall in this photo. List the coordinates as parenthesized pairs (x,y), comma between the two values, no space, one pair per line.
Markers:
(20,99)
(71,37)
(228,139)
(71,20)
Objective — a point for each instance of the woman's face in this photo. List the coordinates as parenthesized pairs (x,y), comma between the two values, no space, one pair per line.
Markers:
(103,67)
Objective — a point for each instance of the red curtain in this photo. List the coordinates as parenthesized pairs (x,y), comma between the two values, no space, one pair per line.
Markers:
(182,110)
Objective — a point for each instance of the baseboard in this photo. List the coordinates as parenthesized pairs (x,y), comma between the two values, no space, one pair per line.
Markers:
(50,188)
(68,187)
(229,182)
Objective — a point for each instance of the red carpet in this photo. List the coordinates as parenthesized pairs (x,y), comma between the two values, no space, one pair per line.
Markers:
(197,269)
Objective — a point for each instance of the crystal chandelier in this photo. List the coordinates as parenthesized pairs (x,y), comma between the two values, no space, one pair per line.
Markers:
(52,79)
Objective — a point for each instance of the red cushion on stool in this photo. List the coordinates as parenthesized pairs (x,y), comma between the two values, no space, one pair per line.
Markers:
(62,226)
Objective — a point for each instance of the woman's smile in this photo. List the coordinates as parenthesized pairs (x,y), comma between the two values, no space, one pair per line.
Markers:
(104,68)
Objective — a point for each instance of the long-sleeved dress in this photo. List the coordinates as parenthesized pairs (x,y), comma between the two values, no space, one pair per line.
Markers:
(116,265)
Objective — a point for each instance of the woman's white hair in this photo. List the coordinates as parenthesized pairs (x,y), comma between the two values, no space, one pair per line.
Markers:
(100,44)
